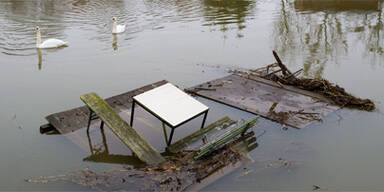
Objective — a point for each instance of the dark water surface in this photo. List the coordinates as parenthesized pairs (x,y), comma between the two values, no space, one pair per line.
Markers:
(189,42)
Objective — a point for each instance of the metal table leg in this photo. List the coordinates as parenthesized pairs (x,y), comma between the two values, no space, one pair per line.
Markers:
(132,112)
(170,137)
(205,117)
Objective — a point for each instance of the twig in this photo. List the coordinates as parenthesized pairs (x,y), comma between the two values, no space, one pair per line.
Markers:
(294,74)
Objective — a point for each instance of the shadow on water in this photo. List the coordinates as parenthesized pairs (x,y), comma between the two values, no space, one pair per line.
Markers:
(228,14)
(326,34)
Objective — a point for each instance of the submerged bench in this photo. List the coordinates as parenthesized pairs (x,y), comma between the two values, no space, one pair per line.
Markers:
(222,139)
(222,131)
(143,150)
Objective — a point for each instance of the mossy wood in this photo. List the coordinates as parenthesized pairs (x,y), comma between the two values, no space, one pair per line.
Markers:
(182,143)
(123,131)
(221,140)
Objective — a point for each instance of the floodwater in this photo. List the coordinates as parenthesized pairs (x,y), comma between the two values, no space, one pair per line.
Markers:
(189,42)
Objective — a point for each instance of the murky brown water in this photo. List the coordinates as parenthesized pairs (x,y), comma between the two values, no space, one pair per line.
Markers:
(187,43)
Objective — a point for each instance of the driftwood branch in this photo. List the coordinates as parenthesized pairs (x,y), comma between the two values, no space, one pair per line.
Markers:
(281,65)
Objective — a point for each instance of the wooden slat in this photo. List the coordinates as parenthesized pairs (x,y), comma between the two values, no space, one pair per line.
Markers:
(77,118)
(184,142)
(123,131)
(222,139)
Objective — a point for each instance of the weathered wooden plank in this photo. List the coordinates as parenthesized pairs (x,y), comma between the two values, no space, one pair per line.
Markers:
(287,87)
(257,96)
(184,142)
(74,119)
(143,150)
(222,139)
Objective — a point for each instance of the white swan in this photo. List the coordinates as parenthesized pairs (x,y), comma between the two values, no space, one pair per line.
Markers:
(49,43)
(117,28)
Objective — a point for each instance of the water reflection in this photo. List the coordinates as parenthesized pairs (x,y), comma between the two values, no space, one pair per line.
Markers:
(114,43)
(228,14)
(40,59)
(325,36)
(339,5)
(100,154)
(79,2)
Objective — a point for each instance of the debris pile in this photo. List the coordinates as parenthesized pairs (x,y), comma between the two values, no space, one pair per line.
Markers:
(280,74)
(179,172)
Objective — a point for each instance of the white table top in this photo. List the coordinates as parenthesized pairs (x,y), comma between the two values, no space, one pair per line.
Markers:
(171,104)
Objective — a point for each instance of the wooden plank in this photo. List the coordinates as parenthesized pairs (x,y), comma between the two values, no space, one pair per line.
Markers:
(143,150)
(257,96)
(77,118)
(184,142)
(287,87)
(222,139)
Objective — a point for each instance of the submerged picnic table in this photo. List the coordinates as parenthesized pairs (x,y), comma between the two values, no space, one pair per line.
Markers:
(255,95)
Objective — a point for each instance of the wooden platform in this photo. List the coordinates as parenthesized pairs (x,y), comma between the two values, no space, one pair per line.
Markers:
(143,150)
(252,94)
(74,119)
(257,95)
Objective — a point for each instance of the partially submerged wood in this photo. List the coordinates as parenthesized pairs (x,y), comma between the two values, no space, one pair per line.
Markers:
(257,96)
(224,138)
(179,173)
(123,131)
(184,142)
(77,118)
(336,94)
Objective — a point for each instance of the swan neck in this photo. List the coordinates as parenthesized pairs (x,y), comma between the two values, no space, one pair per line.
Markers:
(114,27)
(38,39)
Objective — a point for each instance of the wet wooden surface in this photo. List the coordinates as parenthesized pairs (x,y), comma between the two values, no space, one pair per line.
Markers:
(258,96)
(143,150)
(188,140)
(74,119)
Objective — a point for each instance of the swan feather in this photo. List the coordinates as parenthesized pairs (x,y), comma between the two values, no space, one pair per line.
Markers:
(52,43)
(120,28)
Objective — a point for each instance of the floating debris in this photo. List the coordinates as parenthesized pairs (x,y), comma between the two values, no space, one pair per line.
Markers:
(280,74)
(178,173)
